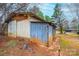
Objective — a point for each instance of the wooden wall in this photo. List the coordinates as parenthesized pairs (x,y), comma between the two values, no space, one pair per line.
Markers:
(19,28)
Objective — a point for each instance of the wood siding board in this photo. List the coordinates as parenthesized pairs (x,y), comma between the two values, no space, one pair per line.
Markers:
(20,28)
(23,29)
(50,30)
(12,28)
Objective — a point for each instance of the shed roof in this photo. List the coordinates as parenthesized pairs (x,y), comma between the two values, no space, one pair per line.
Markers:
(12,15)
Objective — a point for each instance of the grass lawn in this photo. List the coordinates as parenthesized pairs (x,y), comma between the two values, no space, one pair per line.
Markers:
(69,45)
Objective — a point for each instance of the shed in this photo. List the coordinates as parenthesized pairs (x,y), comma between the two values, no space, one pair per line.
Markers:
(29,25)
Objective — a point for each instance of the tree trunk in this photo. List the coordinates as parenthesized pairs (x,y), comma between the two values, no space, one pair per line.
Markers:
(61,29)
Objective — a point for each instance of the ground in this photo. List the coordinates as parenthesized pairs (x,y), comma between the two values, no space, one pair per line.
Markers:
(63,44)
(26,47)
(69,44)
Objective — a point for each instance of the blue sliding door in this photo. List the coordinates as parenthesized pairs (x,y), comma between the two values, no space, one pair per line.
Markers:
(39,31)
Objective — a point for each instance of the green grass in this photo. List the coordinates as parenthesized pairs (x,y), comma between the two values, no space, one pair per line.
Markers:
(11,43)
(75,35)
(65,43)
(68,46)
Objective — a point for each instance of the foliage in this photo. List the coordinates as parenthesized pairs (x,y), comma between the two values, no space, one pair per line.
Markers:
(57,11)
(58,16)
(40,14)
(47,18)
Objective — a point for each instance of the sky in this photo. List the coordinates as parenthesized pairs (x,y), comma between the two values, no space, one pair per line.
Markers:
(48,9)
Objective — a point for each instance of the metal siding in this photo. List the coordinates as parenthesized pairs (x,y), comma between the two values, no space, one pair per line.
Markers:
(40,31)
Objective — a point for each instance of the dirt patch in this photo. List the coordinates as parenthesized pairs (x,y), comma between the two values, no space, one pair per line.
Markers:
(11,46)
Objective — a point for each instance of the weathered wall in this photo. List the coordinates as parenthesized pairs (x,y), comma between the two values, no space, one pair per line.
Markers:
(12,28)
(23,28)
(19,28)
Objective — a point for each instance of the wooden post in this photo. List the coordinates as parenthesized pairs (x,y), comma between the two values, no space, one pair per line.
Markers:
(48,36)
(59,52)
(16,28)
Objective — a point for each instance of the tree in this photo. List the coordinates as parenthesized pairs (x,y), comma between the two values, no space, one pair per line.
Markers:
(74,9)
(65,25)
(6,9)
(40,14)
(48,19)
(35,9)
(58,17)
(74,24)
